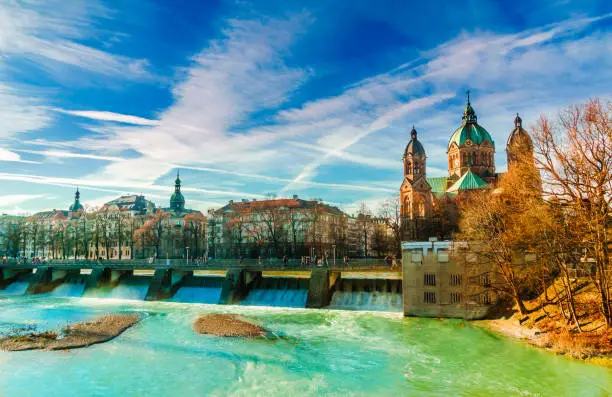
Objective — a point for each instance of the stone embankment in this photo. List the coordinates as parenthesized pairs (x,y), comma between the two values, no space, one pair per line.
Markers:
(99,330)
(227,325)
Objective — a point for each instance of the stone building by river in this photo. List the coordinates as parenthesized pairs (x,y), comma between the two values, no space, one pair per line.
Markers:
(107,232)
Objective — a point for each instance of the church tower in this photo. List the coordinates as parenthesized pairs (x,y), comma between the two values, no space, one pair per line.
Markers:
(415,193)
(177,201)
(471,148)
(519,142)
(76,206)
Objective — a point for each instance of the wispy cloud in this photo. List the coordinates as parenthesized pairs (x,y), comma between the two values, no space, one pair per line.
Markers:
(48,34)
(6,155)
(109,116)
(131,188)
(234,116)
(234,76)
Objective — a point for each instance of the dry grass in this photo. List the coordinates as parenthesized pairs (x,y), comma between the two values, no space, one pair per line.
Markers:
(545,325)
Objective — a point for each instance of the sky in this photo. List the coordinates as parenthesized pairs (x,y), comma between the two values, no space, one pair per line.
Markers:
(257,98)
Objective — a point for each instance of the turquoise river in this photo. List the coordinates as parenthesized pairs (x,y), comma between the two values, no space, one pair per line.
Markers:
(314,352)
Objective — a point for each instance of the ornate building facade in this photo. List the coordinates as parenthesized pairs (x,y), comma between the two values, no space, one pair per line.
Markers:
(428,205)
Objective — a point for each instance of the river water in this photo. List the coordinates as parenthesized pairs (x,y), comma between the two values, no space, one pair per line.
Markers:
(315,352)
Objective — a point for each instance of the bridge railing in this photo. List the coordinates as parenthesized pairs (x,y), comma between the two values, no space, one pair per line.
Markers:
(356,264)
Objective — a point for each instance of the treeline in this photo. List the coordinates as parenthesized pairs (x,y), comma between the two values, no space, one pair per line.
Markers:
(272,228)
(554,204)
(98,233)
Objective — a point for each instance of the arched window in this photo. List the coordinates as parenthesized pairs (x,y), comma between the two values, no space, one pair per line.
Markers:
(408,167)
(420,208)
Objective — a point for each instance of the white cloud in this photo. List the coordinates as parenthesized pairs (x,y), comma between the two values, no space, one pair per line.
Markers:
(47,33)
(7,155)
(230,79)
(109,116)
(244,73)
(14,199)
(64,154)
(19,112)
(132,187)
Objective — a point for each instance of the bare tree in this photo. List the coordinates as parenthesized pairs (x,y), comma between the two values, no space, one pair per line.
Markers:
(390,212)
(365,226)
(153,232)
(574,155)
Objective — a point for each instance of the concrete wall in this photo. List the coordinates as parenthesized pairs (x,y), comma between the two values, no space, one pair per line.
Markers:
(439,280)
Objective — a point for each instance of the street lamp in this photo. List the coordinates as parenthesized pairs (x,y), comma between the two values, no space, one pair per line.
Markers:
(187,249)
(334,248)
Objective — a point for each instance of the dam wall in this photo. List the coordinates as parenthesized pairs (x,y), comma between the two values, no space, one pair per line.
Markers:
(319,287)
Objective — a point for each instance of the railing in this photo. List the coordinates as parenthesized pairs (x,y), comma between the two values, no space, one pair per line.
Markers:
(291,264)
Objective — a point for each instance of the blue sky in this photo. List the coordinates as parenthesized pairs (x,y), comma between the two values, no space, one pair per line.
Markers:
(249,98)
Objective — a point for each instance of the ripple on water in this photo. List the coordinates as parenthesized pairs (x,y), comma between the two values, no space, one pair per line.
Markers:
(318,352)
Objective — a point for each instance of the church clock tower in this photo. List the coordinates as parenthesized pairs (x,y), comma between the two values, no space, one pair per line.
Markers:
(415,193)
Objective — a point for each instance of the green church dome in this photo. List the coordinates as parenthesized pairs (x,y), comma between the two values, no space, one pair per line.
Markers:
(470,129)
(473,132)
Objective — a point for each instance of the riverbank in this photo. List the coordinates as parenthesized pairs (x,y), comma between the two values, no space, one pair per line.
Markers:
(545,327)
(99,330)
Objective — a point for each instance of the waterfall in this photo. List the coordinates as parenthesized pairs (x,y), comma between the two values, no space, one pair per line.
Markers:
(197,289)
(72,287)
(129,287)
(277,291)
(367,294)
(17,287)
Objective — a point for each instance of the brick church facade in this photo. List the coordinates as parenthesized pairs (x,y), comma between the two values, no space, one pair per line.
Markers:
(429,205)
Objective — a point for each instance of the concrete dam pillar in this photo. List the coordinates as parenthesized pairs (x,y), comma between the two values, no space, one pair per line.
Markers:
(237,284)
(319,288)
(46,279)
(97,278)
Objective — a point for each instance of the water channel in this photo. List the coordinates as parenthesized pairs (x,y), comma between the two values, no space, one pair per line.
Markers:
(313,352)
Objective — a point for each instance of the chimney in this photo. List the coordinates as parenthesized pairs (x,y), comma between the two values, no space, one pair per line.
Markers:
(295,196)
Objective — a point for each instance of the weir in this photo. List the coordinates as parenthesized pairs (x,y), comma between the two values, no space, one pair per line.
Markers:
(312,287)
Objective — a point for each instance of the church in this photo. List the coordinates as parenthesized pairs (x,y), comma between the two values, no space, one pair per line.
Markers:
(428,205)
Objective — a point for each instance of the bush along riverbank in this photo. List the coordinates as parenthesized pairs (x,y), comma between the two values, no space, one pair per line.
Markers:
(74,336)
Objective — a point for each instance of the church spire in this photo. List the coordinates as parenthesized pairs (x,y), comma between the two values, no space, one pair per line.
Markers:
(469,116)
(177,201)
(76,206)
(413,133)
(518,122)
(177,181)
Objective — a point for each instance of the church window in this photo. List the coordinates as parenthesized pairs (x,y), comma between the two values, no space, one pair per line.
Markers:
(408,167)
(421,208)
